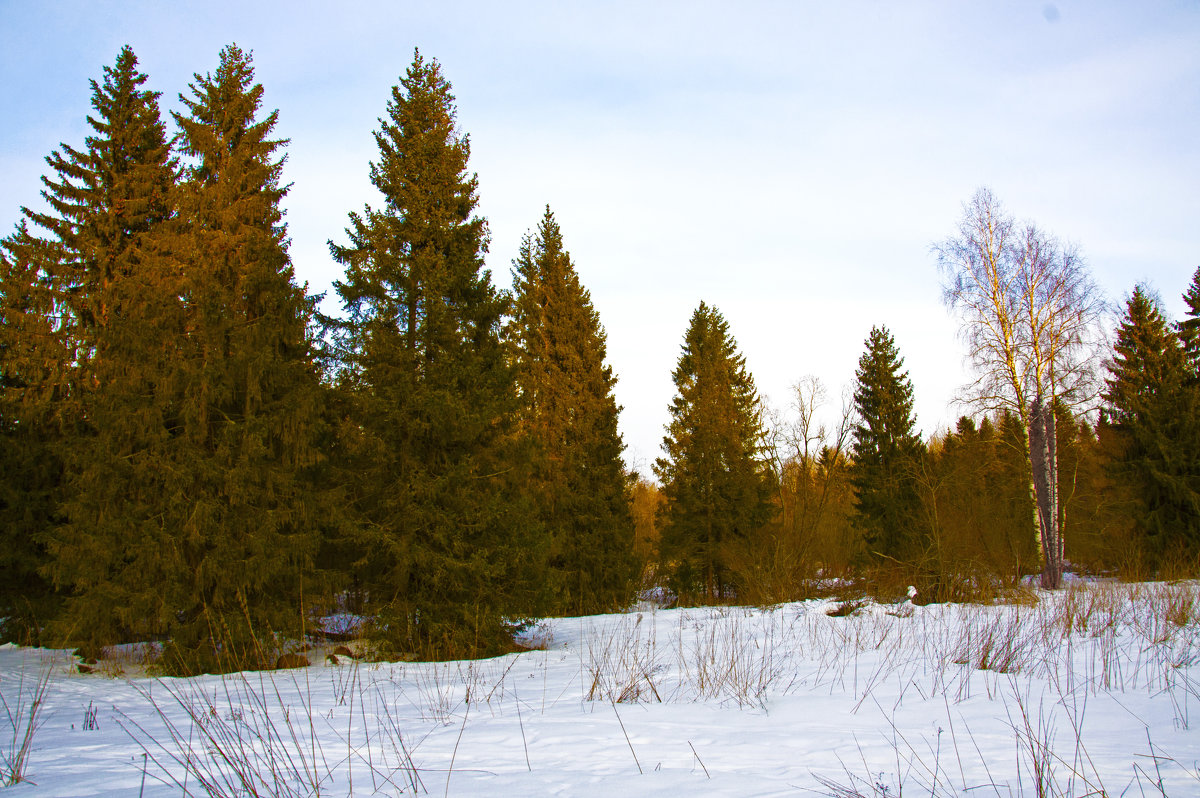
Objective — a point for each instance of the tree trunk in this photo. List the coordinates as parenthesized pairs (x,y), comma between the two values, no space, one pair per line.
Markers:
(1043,461)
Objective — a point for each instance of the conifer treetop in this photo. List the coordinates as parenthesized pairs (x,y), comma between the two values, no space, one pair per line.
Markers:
(883,397)
(1189,327)
(1147,362)
(713,470)
(417,262)
(422,166)
(229,146)
(115,186)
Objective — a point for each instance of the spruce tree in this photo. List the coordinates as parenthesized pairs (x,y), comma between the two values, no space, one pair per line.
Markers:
(885,451)
(445,539)
(243,507)
(714,474)
(103,201)
(113,316)
(569,412)
(1151,404)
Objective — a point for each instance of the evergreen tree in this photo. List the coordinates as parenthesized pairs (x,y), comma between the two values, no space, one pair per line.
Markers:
(446,547)
(1189,328)
(983,502)
(32,360)
(100,282)
(885,450)
(715,479)
(187,513)
(104,200)
(569,411)
(243,506)
(1088,505)
(1151,403)
(1147,364)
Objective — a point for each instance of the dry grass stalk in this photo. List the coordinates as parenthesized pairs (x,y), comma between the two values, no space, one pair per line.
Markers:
(22,698)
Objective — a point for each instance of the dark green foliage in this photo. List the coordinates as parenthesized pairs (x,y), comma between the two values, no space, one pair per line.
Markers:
(714,477)
(32,359)
(1095,508)
(1147,365)
(977,504)
(1189,327)
(885,452)
(188,513)
(107,305)
(252,400)
(103,201)
(446,548)
(569,412)
(1152,406)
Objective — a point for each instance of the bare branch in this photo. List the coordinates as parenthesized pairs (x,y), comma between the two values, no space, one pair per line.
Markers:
(1029,311)
(1030,316)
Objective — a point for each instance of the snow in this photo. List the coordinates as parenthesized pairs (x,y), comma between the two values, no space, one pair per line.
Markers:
(1092,688)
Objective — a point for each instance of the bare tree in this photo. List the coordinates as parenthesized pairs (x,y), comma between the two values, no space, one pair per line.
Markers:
(808,454)
(1030,316)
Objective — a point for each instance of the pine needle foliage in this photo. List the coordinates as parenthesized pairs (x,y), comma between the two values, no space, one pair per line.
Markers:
(885,451)
(113,317)
(569,413)
(976,504)
(714,475)
(32,360)
(1151,404)
(1189,327)
(244,527)
(445,548)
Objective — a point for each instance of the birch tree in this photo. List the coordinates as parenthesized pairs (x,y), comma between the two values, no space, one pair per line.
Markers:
(1029,315)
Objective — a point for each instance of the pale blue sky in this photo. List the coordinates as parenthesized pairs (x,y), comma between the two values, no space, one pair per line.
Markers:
(788,162)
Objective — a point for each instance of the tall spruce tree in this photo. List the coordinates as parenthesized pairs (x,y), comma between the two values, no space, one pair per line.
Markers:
(446,546)
(242,508)
(714,474)
(885,451)
(1150,398)
(112,315)
(569,411)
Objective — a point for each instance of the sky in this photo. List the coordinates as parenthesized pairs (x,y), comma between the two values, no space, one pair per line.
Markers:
(790,163)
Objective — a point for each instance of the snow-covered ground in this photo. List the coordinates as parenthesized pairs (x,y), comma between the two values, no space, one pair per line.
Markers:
(1092,690)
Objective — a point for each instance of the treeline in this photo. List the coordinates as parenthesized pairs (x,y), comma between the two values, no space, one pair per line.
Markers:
(193,454)
(764,507)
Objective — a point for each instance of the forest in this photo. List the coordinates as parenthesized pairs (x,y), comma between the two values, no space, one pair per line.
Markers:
(193,453)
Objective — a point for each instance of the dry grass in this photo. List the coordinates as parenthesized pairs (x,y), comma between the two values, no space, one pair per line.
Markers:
(22,696)
(733,658)
(241,740)
(1039,656)
(623,661)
